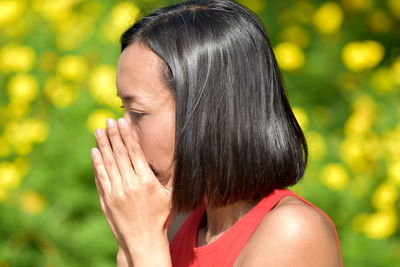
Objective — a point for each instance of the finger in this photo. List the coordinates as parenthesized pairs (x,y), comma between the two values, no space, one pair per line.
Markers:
(107,213)
(135,152)
(120,153)
(110,220)
(101,183)
(106,210)
(101,177)
(108,159)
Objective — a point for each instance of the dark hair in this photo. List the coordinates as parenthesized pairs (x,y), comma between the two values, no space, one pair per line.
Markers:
(236,135)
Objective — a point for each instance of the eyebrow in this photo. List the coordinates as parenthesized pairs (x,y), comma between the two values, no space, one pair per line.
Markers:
(126,98)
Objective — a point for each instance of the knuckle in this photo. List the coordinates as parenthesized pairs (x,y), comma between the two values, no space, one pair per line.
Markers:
(120,194)
(147,183)
(119,153)
(131,187)
(108,163)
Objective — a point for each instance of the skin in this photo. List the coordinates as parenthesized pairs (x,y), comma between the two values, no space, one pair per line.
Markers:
(133,165)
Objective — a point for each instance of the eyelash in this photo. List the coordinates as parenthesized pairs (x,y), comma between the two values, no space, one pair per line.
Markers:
(135,115)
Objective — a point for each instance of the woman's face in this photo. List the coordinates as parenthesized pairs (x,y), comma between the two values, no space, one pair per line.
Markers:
(149,105)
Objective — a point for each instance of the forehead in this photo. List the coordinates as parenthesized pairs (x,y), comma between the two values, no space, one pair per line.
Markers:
(139,72)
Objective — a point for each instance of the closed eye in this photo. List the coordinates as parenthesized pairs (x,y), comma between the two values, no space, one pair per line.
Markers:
(134,115)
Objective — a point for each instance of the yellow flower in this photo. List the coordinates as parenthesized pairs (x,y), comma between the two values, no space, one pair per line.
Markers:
(358,123)
(295,34)
(352,152)
(363,117)
(301,117)
(289,56)
(53,9)
(335,176)
(32,203)
(328,18)
(5,149)
(391,140)
(121,17)
(316,145)
(16,109)
(10,10)
(97,119)
(382,81)
(384,197)
(60,93)
(16,58)
(358,56)
(364,103)
(394,8)
(10,176)
(361,153)
(22,135)
(17,136)
(23,88)
(381,225)
(38,130)
(72,67)
(70,35)
(373,147)
(102,86)
(393,172)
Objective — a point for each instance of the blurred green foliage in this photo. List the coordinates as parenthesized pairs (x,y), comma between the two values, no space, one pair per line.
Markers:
(341,64)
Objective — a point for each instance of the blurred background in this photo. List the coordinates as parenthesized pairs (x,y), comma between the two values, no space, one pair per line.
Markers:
(341,64)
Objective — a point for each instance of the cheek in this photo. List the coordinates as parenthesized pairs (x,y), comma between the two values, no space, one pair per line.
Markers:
(157,140)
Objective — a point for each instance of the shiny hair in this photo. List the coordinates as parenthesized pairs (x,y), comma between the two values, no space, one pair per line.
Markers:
(236,137)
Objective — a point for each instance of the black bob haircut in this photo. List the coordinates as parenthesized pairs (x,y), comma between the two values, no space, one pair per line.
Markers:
(236,137)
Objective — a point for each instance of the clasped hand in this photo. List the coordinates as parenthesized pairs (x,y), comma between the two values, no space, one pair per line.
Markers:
(136,205)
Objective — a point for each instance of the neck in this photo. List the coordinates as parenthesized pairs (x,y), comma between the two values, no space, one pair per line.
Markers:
(219,220)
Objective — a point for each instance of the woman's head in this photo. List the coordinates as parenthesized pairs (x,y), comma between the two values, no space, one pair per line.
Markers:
(236,137)
(149,104)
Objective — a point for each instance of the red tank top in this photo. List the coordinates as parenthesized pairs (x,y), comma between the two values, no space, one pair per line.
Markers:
(225,250)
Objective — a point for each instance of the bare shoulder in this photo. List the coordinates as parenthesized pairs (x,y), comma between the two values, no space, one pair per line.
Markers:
(292,234)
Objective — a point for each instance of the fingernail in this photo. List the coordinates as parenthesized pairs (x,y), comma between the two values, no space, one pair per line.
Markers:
(110,123)
(122,123)
(98,133)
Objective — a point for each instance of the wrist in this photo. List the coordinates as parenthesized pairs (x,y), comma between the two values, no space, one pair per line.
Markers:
(142,245)
(124,258)
(151,252)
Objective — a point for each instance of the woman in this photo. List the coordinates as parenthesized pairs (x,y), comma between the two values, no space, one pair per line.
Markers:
(208,131)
